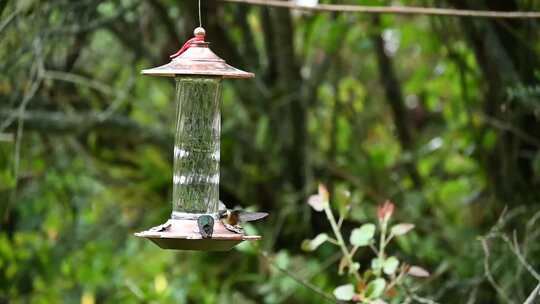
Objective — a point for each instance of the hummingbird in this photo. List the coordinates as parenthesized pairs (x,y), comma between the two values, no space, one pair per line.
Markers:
(162,227)
(206,226)
(232,219)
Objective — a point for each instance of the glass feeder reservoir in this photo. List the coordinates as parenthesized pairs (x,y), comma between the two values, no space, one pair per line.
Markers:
(196,219)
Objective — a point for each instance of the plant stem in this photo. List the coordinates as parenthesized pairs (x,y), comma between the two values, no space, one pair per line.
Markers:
(382,245)
(333,241)
(353,251)
(340,240)
(298,279)
(374,249)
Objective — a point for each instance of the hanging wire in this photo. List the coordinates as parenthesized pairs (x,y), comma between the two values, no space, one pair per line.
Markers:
(200,19)
(403,10)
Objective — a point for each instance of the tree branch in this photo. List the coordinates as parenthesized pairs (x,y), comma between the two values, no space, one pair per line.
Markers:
(121,126)
(401,10)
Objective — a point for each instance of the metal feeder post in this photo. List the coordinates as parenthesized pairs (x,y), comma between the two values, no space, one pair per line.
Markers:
(195,222)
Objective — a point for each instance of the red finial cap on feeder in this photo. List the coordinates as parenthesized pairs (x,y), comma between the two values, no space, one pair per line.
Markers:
(199,37)
(196,58)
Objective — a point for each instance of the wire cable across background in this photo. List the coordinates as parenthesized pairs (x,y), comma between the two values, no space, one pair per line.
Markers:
(400,10)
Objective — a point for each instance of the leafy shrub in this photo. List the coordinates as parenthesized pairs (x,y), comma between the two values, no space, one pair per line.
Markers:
(386,276)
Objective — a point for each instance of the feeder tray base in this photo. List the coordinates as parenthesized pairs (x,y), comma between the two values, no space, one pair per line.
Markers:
(185,235)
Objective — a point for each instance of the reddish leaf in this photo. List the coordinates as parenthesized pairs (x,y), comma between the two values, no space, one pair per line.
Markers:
(317,202)
(323,192)
(417,271)
(402,228)
(384,211)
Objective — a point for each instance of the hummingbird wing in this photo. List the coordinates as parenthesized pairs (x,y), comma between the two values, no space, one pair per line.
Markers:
(234,228)
(221,206)
(245,216)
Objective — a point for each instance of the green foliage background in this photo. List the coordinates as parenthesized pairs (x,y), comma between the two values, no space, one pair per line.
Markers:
(438,114)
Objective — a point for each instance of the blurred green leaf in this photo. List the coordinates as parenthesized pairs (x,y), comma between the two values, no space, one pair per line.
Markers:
(310,245)
(375,288)
(362,236)
(344,292)
(262,129)
(390,265)
(377,264)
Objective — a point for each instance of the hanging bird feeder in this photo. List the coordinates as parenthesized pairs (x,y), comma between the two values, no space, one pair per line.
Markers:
(199,221)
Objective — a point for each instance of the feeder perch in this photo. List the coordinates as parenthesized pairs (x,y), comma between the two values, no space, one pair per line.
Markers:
(196,221)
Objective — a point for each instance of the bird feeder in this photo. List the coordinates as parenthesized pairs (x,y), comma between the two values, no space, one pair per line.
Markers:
(195,222)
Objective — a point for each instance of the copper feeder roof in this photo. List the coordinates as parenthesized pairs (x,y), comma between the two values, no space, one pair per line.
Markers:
(196,58)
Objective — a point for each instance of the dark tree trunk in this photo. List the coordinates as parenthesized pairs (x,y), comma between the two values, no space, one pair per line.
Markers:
(503,52)
(394,96)
(289,85)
